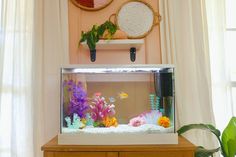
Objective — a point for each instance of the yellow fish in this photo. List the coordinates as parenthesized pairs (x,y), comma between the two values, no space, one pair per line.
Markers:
(123,95)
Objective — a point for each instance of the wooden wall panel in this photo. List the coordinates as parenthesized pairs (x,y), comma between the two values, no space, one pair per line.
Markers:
(79,20)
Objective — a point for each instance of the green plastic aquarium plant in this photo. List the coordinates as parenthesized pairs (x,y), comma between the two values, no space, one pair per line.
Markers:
(92,37)
(227,141)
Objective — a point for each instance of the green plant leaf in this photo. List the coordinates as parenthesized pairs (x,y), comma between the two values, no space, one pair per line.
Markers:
(91,42)
(232,148)
(83,37)
(111,28)
(209,127)
(94,28)
(229,139)
(92,36)
(101,30)
(202,152)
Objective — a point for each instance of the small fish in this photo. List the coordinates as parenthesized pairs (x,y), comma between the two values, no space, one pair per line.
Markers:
(98,94)
(123,95)
(112,99)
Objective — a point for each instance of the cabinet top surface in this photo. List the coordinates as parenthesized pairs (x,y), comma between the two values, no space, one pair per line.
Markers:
(183,144)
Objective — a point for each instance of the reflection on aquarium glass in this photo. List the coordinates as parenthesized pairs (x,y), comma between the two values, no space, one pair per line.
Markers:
(117,99)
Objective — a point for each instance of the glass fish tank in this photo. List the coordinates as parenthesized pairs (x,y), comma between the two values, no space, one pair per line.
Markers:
(117,101)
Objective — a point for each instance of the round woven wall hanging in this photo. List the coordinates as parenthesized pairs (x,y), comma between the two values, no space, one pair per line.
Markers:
(136,18)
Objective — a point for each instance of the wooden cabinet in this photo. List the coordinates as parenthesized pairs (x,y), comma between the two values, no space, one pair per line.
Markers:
(183,149)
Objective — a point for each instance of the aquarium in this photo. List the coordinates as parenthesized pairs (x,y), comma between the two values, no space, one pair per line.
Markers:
(117,101)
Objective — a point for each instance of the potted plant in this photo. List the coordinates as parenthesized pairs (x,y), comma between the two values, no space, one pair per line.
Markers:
(92,37)
(227,141)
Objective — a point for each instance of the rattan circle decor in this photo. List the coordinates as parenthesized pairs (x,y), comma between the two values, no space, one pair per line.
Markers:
(91,5)
(136,18)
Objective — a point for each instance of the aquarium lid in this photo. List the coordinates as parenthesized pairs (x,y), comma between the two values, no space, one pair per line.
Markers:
(137,68)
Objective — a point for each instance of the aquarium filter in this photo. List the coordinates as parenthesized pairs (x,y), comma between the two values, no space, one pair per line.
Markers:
(164,90)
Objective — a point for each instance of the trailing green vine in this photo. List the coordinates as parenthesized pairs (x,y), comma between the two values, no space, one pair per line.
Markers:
(92,37)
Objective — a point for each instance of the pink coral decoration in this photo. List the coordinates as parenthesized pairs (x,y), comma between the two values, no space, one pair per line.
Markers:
(100,109)
(137,121)
(149,117)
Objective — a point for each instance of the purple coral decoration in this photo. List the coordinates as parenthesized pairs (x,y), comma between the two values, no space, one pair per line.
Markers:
(100,109)
(78,102)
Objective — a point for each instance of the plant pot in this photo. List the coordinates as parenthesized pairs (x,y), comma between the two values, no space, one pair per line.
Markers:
(93,55)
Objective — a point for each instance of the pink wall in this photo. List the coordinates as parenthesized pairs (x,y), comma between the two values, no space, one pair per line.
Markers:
(79,20)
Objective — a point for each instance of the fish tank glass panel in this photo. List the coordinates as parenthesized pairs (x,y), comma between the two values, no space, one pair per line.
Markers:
(117,99)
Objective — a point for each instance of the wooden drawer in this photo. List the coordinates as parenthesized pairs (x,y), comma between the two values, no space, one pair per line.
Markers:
(80,154)
(157,154)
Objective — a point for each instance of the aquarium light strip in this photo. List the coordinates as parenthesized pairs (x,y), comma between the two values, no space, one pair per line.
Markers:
(115,70)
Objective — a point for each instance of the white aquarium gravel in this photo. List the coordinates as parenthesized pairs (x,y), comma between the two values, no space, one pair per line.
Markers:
(121,129)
